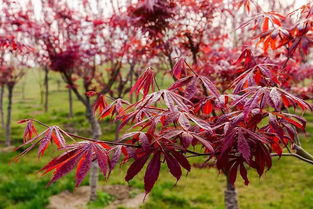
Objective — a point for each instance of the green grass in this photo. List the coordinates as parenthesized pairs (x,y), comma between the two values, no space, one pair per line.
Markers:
(287,185)
(103,200)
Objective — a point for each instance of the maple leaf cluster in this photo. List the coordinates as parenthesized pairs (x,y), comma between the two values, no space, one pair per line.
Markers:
(152,15)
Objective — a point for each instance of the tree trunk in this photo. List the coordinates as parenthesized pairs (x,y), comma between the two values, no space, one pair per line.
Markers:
(46,84)
(93,180)
(132,66)
(23,91)
(8,123)
(59,85)
(230,193)
(170,61)
(1,107)
(41,94)
(70,103)
(96,133)
(117,131)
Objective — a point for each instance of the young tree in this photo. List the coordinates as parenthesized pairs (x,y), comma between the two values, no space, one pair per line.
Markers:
(14,58)
(15,55)
(242,126)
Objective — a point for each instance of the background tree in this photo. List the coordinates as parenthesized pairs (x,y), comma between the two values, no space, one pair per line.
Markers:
(15,55)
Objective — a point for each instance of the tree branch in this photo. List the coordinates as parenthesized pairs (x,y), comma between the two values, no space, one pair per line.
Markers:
(293,155)
(196,154)
(69,81)
(90,139)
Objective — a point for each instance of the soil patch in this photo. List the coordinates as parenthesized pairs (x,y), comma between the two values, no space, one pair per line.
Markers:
(124,197)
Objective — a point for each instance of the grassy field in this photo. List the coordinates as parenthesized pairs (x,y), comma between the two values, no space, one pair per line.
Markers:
(288,185)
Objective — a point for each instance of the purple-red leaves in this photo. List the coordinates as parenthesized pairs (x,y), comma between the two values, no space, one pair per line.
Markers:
(182,160)
(237,162)
(207,107)
(136,166)
(179,68)
(91,93)
(118,151)
(81,155)
(181,82)
(209,86)
(83,167)
(30,130)
(243,146)
(275,98)
(152,171)
(100,103)
(174,161)
(173,165)
(152,16)
(243,173)
(205,143)
(145,81)
(287,117)
(245,4)
(289,99)
(262,97)
(51,135)
(171,99)
(102,158)
(116,107)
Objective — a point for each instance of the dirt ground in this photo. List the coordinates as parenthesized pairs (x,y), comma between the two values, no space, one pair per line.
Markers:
(79,198)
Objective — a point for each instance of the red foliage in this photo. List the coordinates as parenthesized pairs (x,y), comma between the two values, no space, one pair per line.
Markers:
(232,105)
(152,15)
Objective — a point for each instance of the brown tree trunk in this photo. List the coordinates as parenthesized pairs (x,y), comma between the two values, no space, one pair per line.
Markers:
(96,133)
(23,91)
(8,122)
(1,107)
(41,94)
(230,197)
(170,61)
(93,180)
(132,66)
(59,85)
(46,84)
(70,103)
(117,131)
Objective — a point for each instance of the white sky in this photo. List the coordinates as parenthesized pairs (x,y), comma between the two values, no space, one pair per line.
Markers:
(106,4)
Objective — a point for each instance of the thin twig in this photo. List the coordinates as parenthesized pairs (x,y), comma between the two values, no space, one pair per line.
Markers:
(196,154)
(293,155)
(102,141)
(91,139)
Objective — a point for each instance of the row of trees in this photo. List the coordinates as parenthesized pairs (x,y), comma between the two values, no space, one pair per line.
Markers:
(217,101)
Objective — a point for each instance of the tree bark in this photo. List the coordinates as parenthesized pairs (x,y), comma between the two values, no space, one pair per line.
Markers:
(23,91)
(230,198)
(132,66)
(96,133)
(70,103)
(170,61)
(46,84)
(1,107)
(117,131)
(8,122)
(93,180)
(41,94)
(59,85)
